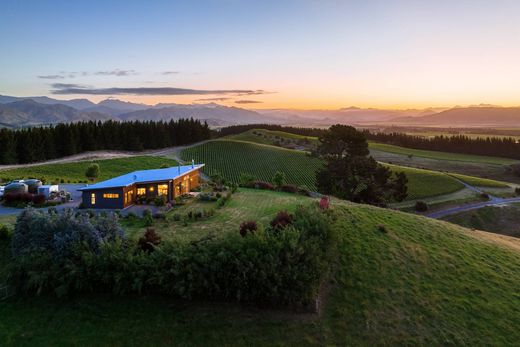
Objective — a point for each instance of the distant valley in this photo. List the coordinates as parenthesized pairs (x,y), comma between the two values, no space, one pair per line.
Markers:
(33,111)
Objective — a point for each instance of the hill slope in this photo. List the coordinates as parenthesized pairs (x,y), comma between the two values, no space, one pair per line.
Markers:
(481,116)
(424,282)
(231,158)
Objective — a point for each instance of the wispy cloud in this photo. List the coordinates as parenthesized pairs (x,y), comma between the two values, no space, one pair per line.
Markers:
(116,72)
(170,72)
(52,77)
(65,88)
(74,74)
(248,101)
(212,99)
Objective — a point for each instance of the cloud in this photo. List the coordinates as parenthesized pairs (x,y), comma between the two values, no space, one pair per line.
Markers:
(116,72)
(248,101)
(65,88)
(212,99)
(51,77)
(73,74)
(170,72)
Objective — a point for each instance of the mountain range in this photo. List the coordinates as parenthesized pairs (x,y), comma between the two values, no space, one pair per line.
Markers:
(42,110)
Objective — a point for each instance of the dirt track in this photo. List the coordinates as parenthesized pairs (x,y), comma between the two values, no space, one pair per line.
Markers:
(172,152)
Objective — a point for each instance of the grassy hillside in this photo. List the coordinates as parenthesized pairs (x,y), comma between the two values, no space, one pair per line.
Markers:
(480,182)
(441,155)
(423,282)
(425,183)
(231,158)
(497,219)
(75,172)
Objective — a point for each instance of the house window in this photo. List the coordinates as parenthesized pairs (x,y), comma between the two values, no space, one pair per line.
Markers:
(93,198)
(110,196)
(141,191)
(162,189)
(151,189)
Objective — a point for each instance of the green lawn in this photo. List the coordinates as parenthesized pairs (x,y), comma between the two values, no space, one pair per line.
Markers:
(245,205)
(231,158)
(425,183)
(441,155)
(424,282)
(75,172)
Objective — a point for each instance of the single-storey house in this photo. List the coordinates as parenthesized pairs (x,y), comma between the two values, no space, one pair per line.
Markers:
(123,191)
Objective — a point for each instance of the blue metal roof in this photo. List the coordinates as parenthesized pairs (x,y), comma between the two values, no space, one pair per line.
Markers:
(144,176)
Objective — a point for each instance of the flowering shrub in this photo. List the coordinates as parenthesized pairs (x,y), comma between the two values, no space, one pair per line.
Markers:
(324,203)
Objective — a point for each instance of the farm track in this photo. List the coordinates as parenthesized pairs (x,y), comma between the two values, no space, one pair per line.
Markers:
(172,152)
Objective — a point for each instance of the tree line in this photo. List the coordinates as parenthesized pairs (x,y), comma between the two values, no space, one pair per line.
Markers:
(44,143)
(238,129)
(506,147)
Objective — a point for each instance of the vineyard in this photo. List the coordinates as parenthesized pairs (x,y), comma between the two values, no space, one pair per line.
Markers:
(232,158)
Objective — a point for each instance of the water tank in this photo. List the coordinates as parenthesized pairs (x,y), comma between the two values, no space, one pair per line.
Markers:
(33,185)
(16,188)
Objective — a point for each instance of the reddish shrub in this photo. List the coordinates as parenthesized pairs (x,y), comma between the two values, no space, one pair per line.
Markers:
(324,202)
(38,199)
(263,185)
(289,188)
(248,227)
(11,198)
(282,219)
(149,241)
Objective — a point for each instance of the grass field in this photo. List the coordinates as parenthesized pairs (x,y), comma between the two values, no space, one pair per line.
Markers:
(425,183)
(497,219)
(75,172)
(246,204)
(441,155)
(231,158)
(424,282)
(480,182)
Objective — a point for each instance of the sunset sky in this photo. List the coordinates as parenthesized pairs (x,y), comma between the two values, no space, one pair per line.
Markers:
(264,54)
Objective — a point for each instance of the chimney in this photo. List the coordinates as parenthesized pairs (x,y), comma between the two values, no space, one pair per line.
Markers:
(179,168)
(192,163)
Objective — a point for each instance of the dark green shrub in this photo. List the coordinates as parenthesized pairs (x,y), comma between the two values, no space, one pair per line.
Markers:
(147,217)
(283,268)
(421,206)
(517,190)
(4,232)
(149,241)
(484,196)
(160,200)
(176,217)
(289,188)
(248,227)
